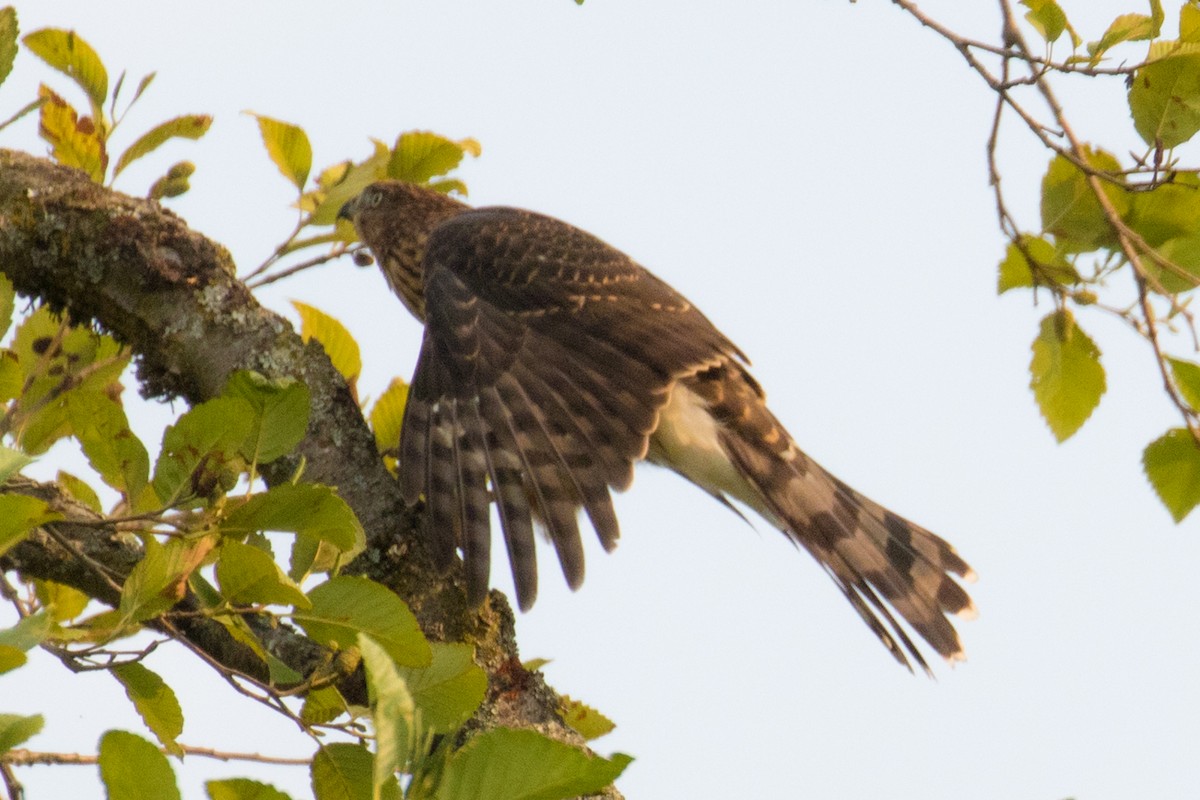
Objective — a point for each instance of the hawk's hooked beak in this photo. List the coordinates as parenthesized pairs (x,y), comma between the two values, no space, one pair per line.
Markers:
(347,210)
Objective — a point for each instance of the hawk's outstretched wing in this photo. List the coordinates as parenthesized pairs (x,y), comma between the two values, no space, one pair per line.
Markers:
(546,359)
(551,362)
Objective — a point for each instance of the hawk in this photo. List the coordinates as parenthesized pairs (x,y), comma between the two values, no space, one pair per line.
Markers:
(552,362)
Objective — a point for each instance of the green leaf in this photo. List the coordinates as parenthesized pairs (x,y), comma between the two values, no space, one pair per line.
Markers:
(30,632)
(342,771)
(387,416)
(190,126)
(68,53)
(1164,95)
(1182,272)
(1187,380)
(11,462)
(55,357)
(8,40)
(1070,209)
(305,509)
(79,490)
(15,729)
(111,447)
(1066,375)
(345,606)
(1172,464)
(62,602)
(1169,211)
(200,451)
(133,769)
(154,701)
(159,580)
(421,155)
(392,713)
(585,720)
(507,764)
(20,515)
(74,141)
(242,789)
(338,343)
(449,690)
(1016,270)
(288,146)
(248,576)
(11,658)
(322,705)
(282,409)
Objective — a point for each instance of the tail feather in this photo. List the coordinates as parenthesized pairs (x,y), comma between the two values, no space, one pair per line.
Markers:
(880,561)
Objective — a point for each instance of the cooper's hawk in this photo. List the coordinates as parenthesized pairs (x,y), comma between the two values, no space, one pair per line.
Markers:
(551,362)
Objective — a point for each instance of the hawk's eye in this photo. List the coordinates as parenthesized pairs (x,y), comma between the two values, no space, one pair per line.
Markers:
(374,196)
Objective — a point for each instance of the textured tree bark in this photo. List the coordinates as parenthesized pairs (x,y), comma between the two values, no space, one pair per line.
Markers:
(136,271)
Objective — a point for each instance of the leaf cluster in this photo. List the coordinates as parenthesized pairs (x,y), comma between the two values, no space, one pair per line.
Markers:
(1104,219)
(84,140)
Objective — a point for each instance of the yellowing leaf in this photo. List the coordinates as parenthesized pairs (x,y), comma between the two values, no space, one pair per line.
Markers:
(585,720)
(327,202)
(1066,376)
(1189,22)
(334,337)
(420,155)
(62,601)
(192,126)
(74,142)
(8,40)
(387,415)
(1070,209)
(289,148)
(79,490)
(68,53)
(1172,464)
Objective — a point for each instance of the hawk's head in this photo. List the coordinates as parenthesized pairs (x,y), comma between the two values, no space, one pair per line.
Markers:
(394,219)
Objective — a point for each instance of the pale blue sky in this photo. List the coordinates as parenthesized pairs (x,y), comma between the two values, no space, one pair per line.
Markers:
(812,176)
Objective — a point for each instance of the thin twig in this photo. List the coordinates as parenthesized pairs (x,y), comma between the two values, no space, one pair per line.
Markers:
(29,758)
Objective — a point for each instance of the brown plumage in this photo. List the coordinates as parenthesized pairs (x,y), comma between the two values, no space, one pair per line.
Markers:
(551,362)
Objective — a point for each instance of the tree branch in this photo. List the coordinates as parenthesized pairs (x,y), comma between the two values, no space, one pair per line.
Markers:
(137,271)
